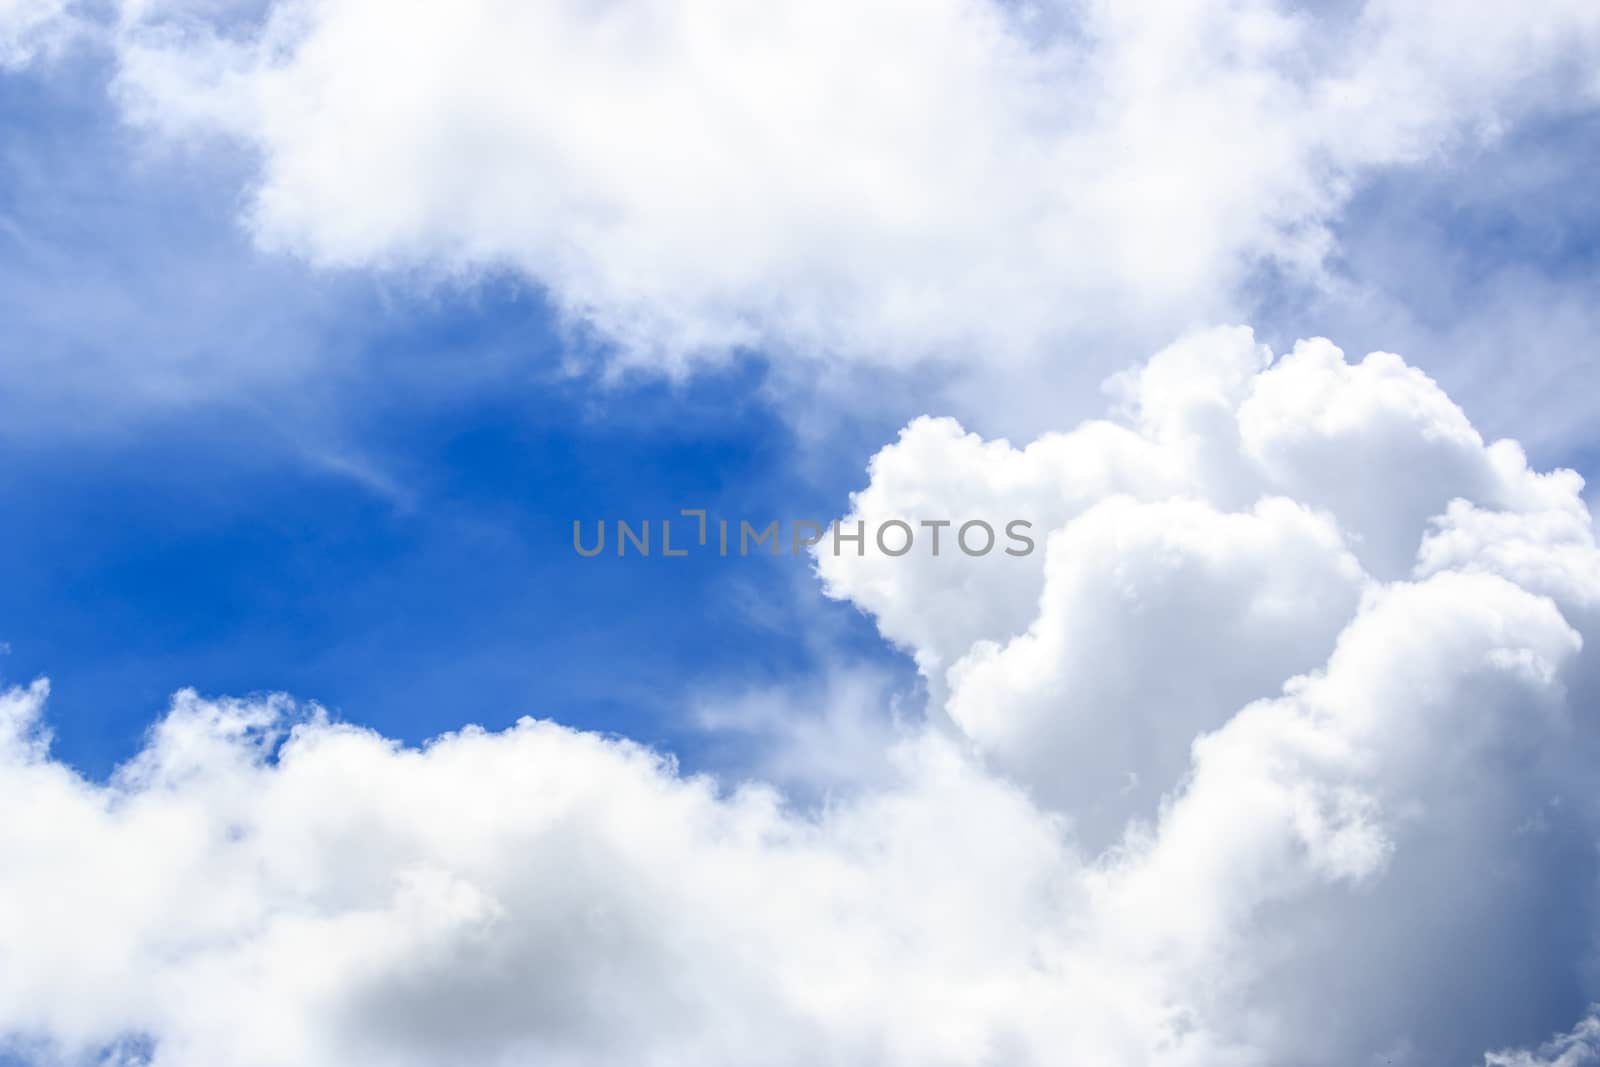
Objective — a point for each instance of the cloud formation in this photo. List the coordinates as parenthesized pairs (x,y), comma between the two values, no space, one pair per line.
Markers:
(1332,548)
(878,183)
(1579,1048)
(29,26)
(1282,750)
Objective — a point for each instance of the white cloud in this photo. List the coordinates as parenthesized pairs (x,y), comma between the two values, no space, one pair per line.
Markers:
(878,183)
(1580,1048)
(1361,827)
(836,733)
(29,26)
(1238,522)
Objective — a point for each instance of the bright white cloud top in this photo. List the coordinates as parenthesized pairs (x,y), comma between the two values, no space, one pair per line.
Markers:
(1282,751)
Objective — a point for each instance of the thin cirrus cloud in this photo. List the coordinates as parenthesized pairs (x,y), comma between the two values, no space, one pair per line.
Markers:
(1350,819)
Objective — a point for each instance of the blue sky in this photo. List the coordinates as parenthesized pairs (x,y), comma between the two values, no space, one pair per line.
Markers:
(140,569)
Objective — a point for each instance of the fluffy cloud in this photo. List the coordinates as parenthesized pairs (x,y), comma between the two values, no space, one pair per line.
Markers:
(1257,761)
(881,182)
(1331,547)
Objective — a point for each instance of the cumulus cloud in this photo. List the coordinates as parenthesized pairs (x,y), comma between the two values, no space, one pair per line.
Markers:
(880,183)
(1257,761)
(1239,522)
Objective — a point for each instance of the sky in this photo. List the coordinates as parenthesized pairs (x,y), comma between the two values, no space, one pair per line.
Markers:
(323,321)
(396,536)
